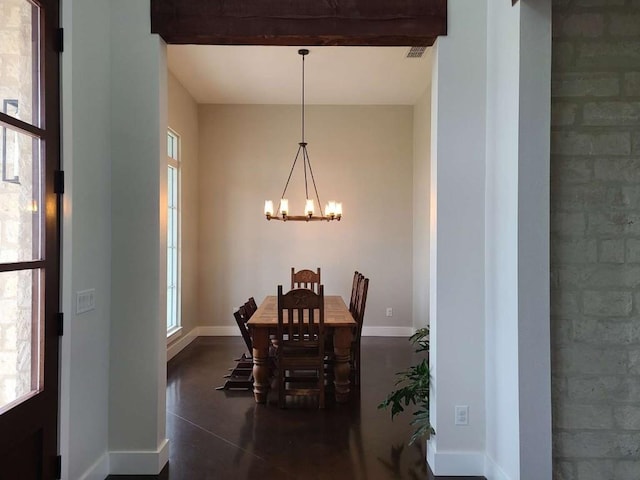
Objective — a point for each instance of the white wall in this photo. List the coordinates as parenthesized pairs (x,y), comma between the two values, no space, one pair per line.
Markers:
(457,246)
(517,239)
(534,355)
(503,48)
(183,119)
(361,155)
(421,206)
(86,238)
(137,439)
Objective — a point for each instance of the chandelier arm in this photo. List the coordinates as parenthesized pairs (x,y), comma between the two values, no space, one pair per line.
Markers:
(305,160)
(313,180)
(289,178)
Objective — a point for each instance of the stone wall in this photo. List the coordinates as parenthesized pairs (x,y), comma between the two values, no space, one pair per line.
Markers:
(18,318)
(595,239)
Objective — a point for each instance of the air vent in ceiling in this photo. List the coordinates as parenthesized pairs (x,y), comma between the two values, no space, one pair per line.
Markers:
(416,52)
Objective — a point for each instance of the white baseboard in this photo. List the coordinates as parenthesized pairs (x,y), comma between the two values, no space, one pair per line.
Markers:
(493,471)
(226,331)
(232,331)
(179,345)
(455,463)
(99,470)
(387,331)
(148,462)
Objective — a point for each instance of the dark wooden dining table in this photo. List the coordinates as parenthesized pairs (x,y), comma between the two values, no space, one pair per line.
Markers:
(338,322)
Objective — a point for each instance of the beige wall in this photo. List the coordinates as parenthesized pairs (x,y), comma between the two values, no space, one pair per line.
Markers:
(421,207)
(361,155)
(183,120)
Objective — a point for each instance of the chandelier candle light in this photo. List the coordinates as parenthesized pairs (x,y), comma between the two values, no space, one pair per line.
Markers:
(332,211)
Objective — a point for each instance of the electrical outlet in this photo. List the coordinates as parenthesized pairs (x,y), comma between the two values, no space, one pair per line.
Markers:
(462,415)
(389,312)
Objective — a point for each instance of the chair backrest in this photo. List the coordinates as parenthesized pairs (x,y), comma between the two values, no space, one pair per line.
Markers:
(305,279)
(250,307)
(301,317)
(357,277)
(253,306)
(358,315)
(241,319)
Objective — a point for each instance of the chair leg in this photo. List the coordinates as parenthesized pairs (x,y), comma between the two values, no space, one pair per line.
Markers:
(281,389)
(321,386)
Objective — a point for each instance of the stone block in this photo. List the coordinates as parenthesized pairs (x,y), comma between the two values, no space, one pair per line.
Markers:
(563,470)
(627,417)
(595,469)
(568,224)
(598,277)
(598,445)
(633,250)
(585,84)
(635,143)
(624,170)
(567,170)
(627,469)
(624,25)
(559,388)
(564,304)
(598,3)
(572,416)
(634,362)
(611,114)
(585,25)
(561,331)
(568,198)
(602,331)
(574,250)
(611,251)
(562,56)
(585,359)
(597,143)
(616,223)
(623,54)
(607,304)
(628,197)
(632,84)
(563,114)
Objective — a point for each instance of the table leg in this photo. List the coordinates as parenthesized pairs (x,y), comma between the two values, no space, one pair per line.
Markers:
(342,352)
(260,339)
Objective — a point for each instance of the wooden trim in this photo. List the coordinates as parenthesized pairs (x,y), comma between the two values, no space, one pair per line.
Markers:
(18,266)
(24,127)
(303,22)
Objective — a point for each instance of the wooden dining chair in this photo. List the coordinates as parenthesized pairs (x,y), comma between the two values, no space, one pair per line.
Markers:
(358,315)
(305,279)
(241,317)
(300,337)
(251,306)
(241,376)
(357,277)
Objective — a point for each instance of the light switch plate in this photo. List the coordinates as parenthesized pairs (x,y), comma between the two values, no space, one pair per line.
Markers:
(85,300)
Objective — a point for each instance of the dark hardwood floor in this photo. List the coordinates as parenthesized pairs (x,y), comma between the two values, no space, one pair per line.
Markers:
(226,435)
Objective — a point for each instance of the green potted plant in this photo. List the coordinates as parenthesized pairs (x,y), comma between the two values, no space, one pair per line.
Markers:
(413,389)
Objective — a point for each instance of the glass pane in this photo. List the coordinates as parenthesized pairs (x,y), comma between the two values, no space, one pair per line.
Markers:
(20,197)
(19,60)
(21,322)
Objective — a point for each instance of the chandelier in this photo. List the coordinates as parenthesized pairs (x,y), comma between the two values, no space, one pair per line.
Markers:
(332,210)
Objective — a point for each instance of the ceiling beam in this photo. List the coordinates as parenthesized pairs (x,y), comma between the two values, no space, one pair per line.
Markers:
(300,22)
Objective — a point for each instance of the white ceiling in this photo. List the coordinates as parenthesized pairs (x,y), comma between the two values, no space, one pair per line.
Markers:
(273,75)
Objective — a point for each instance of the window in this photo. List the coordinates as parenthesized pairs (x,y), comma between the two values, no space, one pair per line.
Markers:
(173,233)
